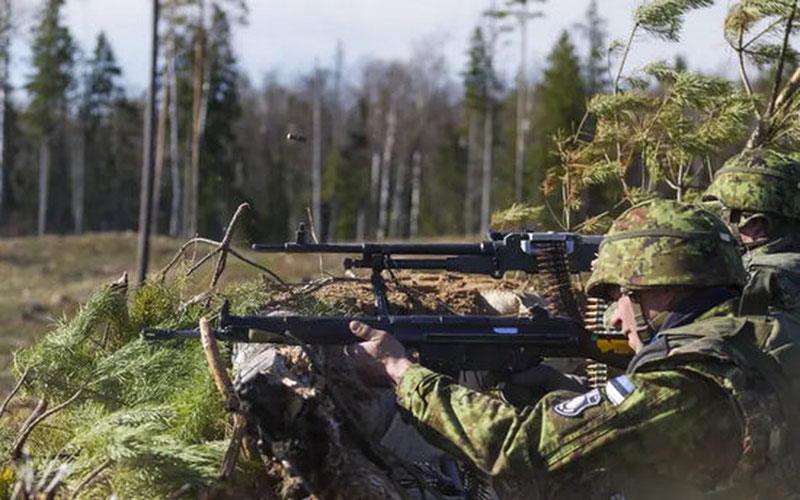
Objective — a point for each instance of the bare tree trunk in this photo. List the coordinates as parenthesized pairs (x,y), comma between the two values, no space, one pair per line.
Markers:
(78,177)
(486,181)
(5,15)
(374,192)
(44,174)
(522,117)
(361,224)
(473,156)
(161,141)
(175,167)
(386,171)
(339,132)
(398,206)
(197,110)
(416,187)
(316,155)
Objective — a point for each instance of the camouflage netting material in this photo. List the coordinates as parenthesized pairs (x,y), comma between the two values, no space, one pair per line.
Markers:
(673,244)
(758,181)
(146,421)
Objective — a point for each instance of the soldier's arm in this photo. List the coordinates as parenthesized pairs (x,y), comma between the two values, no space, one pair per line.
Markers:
(660,420)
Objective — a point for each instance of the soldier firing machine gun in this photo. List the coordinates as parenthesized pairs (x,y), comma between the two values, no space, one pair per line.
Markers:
(448,343)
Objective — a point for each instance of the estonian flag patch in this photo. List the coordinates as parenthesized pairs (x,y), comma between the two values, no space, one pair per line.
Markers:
(619,388)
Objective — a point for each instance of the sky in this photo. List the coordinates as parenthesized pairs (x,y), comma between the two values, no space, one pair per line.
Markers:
(289,37)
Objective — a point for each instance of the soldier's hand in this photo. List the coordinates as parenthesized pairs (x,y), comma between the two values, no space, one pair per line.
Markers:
(380,359)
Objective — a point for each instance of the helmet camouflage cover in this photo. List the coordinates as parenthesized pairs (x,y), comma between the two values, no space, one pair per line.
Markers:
(666,243)
(760,181)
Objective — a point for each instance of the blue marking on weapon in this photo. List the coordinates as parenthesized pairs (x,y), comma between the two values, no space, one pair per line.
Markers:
(506,330)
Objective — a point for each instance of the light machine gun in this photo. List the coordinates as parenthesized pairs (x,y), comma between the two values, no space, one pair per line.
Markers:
(552,255)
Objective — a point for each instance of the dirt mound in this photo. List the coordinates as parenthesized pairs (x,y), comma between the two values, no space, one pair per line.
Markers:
(415,293)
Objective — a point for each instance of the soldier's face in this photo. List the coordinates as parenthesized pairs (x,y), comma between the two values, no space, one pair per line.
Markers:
(624,319)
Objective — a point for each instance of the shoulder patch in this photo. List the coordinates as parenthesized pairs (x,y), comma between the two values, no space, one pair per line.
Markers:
(575,406)
(619,388)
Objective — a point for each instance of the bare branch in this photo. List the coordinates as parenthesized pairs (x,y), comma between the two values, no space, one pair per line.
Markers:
(14,391)
(37,416)
(217,367)
(779,72)
(90,477)
(226,243)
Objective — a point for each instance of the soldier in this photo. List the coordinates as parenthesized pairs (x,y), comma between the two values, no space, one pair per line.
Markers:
(759,191)
(709,405)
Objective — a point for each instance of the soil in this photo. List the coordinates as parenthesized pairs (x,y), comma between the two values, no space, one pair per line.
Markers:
(408,293)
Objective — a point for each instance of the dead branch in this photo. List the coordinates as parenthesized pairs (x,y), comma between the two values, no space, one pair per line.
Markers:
(259,266)
(181,251)
(217,367)
(773,100)
(90,477)
(225,388)
(41,406)
(186,488)
(14,391)
(234,447)
(37,416)
(224,246)
(792,86)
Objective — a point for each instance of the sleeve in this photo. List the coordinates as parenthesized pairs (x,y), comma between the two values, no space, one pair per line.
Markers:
(663,421)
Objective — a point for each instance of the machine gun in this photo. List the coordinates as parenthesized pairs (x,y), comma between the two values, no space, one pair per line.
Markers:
(556,255)
(446,344)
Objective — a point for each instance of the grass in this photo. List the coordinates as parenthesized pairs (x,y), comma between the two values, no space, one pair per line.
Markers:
(45,278)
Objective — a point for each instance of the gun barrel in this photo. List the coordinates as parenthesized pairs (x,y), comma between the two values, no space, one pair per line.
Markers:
(485,248)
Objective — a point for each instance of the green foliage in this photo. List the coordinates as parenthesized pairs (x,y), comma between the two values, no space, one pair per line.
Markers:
(53,59)
(561,105)
(517,216)
(219,154)
(664,18)
(151,411)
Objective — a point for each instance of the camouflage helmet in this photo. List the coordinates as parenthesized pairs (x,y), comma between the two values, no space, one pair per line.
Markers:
(666,243)
(758,181)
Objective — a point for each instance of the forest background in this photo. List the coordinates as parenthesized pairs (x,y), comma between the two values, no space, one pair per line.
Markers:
(390,149)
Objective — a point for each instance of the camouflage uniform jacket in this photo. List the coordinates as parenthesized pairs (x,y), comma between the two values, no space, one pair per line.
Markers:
(692,416)
(774,277)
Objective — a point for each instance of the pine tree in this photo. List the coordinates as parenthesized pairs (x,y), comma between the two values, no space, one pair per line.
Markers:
(595,67)
(474,96)
(219,150)
(101,97)
(561,104)
(48,87)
